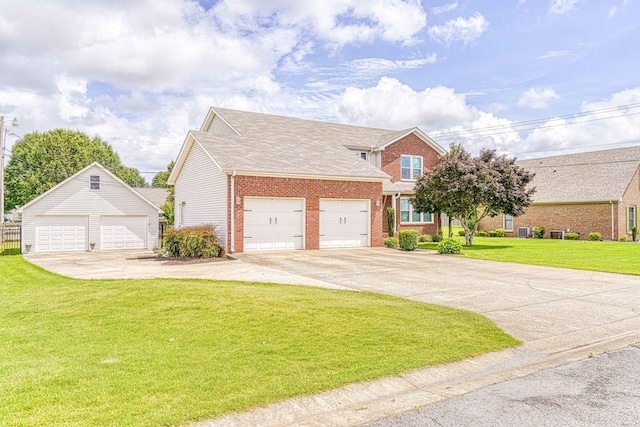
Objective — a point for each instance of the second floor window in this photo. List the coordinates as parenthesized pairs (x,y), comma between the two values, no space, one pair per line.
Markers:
(411,167)
(95,182)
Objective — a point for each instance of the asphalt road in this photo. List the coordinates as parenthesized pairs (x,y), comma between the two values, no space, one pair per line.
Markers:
(599,391)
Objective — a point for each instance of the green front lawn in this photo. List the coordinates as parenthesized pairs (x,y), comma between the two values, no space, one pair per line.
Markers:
(165,352)
(612,257)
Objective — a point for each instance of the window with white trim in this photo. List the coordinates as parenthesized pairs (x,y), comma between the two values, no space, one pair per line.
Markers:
(409,216)
(95,182)
(411,167)
(363,155)
(507,222)
(632,219)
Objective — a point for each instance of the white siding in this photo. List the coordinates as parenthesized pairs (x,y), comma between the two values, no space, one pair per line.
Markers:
(201,193)
(219,127)
(75,197)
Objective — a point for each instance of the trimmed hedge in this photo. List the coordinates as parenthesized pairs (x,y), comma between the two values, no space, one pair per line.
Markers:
(595,236)
(424,238)
(408,240)
(449,246)
(570,235)
(538,232)
(391,242)
(200,241)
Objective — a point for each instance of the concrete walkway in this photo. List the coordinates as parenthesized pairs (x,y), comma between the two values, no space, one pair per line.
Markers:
(561,315)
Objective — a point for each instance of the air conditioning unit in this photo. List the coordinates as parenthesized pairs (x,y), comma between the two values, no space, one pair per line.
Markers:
(524,232)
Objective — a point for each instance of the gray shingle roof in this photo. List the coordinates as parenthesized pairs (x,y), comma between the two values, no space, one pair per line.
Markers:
(287,145)
(583,177)
(157,196)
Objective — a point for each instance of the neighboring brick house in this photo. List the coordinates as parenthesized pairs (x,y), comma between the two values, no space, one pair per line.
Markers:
(582,192)
(270,182)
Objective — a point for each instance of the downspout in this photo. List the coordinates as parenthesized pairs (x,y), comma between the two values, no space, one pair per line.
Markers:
(613,232)
(395,204)
(232,201)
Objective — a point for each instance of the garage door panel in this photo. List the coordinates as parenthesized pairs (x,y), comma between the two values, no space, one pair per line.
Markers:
(273,224)
(123,232)
(344,223)
(61,233)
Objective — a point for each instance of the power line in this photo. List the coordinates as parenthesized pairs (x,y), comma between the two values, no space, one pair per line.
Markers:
(528,125)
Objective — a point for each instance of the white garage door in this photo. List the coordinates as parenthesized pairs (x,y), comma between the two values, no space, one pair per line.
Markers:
(123,232)
(273,224)
(344,223)
(61,233)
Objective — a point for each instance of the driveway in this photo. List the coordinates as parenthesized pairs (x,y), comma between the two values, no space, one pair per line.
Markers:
(550,309)
(560,315)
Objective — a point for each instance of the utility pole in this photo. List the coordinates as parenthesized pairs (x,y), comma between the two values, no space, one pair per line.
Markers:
(3,137)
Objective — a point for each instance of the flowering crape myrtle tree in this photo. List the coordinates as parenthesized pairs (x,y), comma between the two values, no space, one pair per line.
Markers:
(472,188)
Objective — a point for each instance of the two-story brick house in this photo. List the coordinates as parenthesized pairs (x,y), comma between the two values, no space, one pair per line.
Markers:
(270,182)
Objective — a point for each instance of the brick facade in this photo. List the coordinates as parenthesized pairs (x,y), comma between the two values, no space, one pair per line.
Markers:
(391,164)
(581,218)
(312,190)
(410,145)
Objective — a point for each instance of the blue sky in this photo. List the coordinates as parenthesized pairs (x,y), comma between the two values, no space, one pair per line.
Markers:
(140,74)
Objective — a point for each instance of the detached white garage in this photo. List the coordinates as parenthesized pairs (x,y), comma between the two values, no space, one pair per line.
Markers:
(91,210)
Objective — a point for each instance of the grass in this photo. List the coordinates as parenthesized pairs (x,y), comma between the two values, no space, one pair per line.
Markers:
(606,256)
(166,352)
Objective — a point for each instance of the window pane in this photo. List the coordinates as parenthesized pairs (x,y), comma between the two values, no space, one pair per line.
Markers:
(404,216)
(406,162)
(427,217)
(417,173)
(406,173)
(404,204)
(417,162)
(415,217)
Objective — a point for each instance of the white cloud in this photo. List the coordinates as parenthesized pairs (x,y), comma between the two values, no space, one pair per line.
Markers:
(437,10)
(375,66)
(460,29)
(537,97)
(560,7)
(615,126)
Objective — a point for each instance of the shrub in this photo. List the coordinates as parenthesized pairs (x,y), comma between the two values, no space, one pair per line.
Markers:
(424,238)
(481,233)
(437,237)
(622,238)
(391,221)
(538,232)
(200,241)
(634,234)
(461,233)
(449,246)
(571,235)
(391,242)
(595,236)
(408,240)
(499,232)
(492,233)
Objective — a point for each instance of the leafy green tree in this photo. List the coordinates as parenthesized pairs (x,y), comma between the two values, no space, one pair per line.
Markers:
(160,181)
(40,161)
(472,188)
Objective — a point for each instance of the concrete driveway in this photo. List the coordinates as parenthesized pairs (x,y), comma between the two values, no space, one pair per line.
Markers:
(548,308)
(561,315)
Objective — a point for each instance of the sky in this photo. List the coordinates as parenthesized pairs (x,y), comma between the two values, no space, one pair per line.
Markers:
(527,78)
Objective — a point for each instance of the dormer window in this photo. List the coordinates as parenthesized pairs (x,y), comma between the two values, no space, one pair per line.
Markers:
(411,167)
(95,182)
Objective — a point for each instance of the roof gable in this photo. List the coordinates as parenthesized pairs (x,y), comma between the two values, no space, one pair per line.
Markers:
(393,137)
(79,173)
